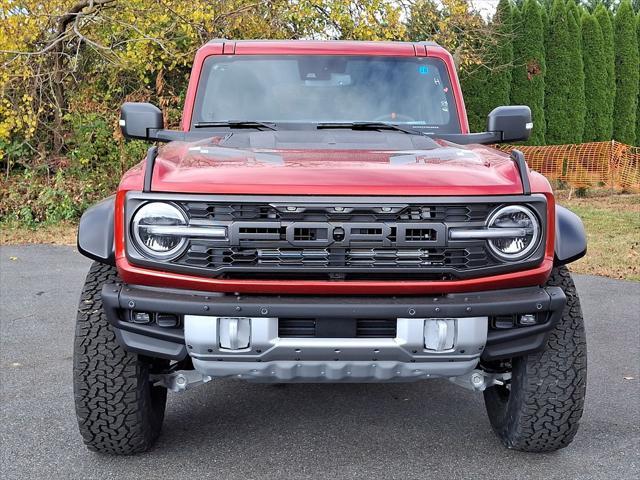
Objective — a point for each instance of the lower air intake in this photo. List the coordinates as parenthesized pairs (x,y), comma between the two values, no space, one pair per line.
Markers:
(337,328)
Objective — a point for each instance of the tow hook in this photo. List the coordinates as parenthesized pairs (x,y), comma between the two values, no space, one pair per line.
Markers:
(479,380)
(181,380)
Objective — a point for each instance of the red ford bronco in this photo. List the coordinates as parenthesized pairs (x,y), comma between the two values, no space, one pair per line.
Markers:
(325,215)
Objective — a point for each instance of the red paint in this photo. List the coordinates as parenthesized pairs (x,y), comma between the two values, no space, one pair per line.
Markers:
(209,49)
(480,170)
(336,172)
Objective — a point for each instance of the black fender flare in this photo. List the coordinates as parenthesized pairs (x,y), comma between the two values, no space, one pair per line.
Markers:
(571,238)
(96,234)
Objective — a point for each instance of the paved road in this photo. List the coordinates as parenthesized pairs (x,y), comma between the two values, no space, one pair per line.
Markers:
(230,429)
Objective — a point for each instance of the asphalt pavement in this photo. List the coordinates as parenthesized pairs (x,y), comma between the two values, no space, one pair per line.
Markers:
(232,429)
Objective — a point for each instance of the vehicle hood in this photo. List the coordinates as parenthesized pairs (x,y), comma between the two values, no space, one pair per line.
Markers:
(442,168)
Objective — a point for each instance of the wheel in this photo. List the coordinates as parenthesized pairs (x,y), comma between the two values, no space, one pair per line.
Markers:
(119,411)
(540,409)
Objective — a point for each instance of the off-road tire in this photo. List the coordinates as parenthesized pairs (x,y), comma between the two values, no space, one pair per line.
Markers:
(542,410)
(118,409)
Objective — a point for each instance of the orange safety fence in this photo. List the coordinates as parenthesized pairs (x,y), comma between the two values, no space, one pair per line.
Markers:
(610,165)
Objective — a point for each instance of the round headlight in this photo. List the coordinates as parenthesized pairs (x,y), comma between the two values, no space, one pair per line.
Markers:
(154,229)
(516,218)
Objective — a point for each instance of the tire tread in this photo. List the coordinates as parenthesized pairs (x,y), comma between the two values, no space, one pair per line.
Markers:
(116,410)
(548,387)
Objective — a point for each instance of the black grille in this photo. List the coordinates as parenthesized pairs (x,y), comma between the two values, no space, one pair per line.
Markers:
(297,327)
(205,256)
(334,240)
(338,238)
(341,328)
(376,328)
(253,211)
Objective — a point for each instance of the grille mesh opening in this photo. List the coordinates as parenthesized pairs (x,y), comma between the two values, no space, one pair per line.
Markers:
(364,327)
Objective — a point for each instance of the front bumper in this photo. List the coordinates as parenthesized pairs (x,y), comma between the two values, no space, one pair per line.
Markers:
(270,358)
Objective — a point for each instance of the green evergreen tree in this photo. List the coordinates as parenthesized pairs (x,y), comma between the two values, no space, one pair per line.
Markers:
(527,84)
(559,78)
(638,107)
(544,11)
(474,89)
(577,105)
(603,16)
(499,86)
(595,82)
(627,74)
(488,86)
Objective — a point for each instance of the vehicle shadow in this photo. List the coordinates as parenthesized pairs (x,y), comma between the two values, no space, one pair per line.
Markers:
(237,419)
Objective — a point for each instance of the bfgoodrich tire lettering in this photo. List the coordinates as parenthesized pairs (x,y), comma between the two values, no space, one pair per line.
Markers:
(542,409)
(118,409)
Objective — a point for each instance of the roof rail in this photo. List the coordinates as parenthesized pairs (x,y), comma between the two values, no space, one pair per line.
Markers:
(429,43)
(218,40)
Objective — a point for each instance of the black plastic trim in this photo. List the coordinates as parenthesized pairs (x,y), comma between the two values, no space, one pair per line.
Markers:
(518,341)
(151,346)
(571,238)
(501,344)
(96,232)
(523,170)
(152,154)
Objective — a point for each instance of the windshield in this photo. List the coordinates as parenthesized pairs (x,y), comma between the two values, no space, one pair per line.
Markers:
(314,89)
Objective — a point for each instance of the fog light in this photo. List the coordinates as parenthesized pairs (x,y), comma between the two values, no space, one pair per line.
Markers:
(527,320)
(141,317)
(235,333)
(439,333)
(502,322)
(167,320)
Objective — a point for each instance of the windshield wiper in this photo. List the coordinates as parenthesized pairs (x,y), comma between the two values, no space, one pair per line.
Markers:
(370,126)
(237,124)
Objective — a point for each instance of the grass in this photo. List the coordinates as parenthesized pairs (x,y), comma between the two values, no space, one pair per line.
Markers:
(612,223)
(613,231)
(63,233)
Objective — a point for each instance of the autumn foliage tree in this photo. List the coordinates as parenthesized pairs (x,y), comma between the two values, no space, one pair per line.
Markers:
(61,56)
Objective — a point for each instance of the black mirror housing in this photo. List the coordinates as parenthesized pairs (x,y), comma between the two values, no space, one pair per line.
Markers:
(140,121)
(513,122)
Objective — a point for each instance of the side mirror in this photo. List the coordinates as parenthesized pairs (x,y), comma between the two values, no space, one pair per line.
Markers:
(513,122)
(140,121)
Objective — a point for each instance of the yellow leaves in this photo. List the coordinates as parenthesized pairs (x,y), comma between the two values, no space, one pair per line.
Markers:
(141,38)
